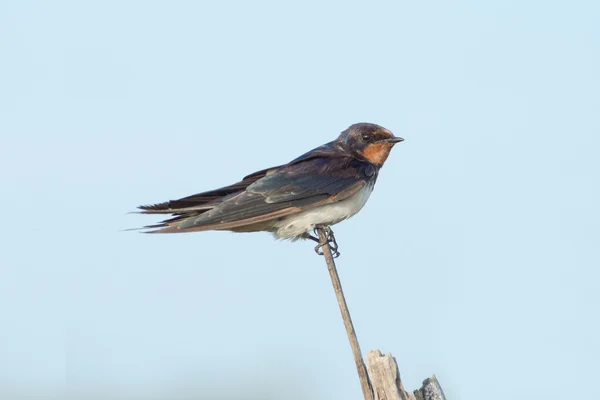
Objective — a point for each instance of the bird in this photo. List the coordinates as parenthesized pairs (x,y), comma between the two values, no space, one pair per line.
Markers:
(321,188)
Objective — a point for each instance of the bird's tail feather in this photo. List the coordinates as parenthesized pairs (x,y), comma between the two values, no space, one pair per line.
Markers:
(165,208)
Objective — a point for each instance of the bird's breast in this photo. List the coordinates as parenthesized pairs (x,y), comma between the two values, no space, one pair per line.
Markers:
(328,214)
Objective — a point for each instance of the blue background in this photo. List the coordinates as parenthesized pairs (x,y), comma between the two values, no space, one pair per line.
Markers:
(476,257)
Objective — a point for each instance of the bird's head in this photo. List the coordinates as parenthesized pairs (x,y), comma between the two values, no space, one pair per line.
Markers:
(369,142)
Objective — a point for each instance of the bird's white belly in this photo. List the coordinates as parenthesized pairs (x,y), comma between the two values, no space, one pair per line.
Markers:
(328,214)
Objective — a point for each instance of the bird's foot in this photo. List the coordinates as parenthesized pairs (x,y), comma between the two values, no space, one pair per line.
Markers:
(311,237)
(329,239)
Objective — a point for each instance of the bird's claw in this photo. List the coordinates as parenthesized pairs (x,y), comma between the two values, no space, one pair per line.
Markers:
(330,240)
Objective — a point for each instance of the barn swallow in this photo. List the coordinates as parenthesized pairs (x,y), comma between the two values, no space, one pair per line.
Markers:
(325,186)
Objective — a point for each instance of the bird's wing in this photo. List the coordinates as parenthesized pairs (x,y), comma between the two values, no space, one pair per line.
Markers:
(287,190)
(206,200)
(203,201)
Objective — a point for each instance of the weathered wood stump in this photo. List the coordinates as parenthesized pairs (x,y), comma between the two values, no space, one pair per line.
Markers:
(386,383)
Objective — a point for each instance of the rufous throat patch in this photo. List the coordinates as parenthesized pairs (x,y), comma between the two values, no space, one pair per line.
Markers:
(377,153)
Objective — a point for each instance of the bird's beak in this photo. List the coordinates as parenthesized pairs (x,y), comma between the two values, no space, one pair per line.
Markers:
(393,140)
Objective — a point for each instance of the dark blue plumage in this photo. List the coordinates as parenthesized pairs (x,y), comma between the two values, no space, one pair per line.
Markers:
(321,187)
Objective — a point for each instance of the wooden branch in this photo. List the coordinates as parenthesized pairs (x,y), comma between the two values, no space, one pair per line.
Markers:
(387,385)
(384,382)
(337,286)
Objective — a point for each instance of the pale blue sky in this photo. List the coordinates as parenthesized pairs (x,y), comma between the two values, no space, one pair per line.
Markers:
(476,257)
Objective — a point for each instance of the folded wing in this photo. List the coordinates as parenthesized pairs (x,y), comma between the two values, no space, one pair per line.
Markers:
(271,194)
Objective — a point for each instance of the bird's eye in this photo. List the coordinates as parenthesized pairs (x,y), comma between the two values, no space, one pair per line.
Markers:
(367,137)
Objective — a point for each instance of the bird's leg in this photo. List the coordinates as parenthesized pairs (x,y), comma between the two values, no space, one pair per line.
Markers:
(330,239)
(309,236)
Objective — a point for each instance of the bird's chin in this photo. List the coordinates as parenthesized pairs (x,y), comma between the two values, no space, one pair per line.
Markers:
(378,152)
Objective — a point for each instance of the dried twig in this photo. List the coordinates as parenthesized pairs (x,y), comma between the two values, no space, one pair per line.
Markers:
(337,286)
